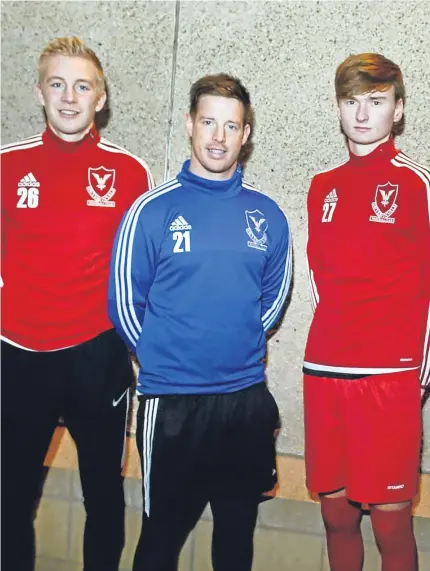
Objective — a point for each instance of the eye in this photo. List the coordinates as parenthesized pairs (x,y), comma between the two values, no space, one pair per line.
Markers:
(376,102)
(207,122)
(56,84)
(233,127)
(82,87)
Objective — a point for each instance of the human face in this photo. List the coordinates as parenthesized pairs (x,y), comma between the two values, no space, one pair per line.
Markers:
(367,119)
(69,92)
(217,134)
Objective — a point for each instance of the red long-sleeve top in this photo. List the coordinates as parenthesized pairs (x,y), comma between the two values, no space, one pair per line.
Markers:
(61,206)
(369,260)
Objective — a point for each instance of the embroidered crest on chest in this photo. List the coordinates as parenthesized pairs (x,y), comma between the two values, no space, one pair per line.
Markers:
(256,230)
(101,187)
(384,204)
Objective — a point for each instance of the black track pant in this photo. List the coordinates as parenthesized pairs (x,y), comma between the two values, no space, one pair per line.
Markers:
(87,386)
(199,449)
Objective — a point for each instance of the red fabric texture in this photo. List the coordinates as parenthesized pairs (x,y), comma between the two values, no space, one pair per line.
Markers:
(58,225)
(369,261)
(364,435)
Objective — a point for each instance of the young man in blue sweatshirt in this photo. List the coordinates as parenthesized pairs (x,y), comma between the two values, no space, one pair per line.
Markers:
(200,272)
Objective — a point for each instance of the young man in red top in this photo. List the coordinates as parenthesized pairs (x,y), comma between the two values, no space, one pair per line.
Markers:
(368,346)
(63,195)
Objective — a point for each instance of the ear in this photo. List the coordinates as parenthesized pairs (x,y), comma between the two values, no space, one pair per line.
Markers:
(398,111)
(246,133)
(40,95)
(101,101)
(189,123)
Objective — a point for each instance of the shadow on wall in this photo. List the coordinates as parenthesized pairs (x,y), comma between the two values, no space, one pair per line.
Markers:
(103,116)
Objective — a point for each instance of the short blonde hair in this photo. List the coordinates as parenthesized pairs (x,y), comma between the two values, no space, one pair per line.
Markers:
(71,46)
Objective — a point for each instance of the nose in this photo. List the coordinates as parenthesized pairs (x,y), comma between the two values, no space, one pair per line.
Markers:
(69,95)
(362,114)
(219,134)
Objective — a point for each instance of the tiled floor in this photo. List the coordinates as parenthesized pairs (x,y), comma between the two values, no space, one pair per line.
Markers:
(290,537)
(289,533)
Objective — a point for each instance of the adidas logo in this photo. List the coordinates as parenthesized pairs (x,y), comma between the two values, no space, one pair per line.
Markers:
(180,224)
(331,196)
(28,181)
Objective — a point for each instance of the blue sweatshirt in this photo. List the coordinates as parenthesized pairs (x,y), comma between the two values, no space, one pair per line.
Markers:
(200,271)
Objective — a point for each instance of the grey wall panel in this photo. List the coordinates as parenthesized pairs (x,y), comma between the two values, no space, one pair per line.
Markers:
(134,41)
(285,53)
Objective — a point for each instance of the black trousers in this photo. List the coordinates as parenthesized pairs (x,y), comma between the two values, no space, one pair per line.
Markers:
(197,449)
(87,385)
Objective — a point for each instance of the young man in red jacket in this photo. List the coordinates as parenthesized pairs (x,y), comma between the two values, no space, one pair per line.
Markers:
(368,346)
(63,195)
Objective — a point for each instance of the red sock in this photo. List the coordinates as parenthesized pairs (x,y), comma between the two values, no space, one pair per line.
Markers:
(395,538)
(344,542)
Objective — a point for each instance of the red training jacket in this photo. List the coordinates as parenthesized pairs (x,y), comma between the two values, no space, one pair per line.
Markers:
(61,206)
(369,260)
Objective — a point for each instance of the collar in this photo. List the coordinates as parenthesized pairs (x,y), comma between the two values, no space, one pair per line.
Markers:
(384,152)
(218,188)
(50,139)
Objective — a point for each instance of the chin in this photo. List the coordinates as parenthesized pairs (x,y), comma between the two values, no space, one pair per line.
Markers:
(363,139)
(215,168)
(219,170)
(76,130)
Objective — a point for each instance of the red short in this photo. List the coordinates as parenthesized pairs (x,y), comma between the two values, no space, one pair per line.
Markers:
(364,435)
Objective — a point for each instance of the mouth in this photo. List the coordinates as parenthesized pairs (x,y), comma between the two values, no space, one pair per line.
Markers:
(216,153)
(68,113)
(362,129)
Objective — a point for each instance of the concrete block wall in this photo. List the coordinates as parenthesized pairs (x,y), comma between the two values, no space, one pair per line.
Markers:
(286,53)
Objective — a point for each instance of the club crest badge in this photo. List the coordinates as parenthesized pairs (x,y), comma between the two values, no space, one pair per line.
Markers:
(101,187)
(385,205)
(256,230)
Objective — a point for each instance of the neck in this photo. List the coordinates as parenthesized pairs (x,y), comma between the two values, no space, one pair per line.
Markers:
(70,137)
(362,150)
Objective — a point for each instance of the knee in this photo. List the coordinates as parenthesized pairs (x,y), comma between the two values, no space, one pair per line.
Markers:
(391,507)
(339,515)
(391,521)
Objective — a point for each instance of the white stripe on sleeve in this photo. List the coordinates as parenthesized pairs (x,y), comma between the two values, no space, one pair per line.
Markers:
(271,315)
(123,262)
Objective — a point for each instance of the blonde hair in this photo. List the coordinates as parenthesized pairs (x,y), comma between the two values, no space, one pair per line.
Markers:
(71,46)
